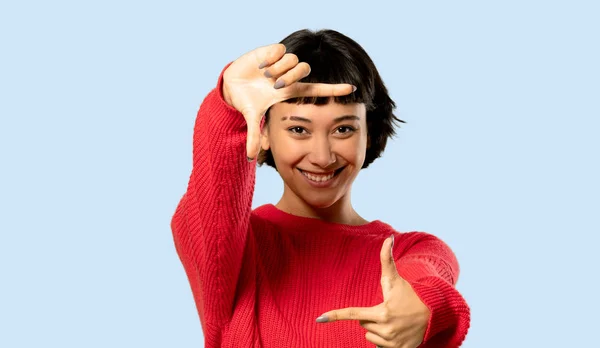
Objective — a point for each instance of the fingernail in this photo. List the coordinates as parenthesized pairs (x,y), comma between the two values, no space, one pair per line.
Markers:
(262,65)
(279,84)
(268,74)
(392,241)
(250,159)
(322,319)
(353,89)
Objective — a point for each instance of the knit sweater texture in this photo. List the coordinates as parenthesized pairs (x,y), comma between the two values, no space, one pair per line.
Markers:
(261,277)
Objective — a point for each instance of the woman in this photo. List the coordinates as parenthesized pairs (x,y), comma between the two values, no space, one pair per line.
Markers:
(308,271)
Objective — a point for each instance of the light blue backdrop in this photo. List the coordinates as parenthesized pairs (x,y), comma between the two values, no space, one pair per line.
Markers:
(499,157)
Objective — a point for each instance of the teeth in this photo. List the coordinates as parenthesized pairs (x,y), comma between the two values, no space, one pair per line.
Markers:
(318,178)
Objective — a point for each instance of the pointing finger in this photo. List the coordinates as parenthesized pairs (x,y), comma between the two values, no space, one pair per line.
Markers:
(351,313)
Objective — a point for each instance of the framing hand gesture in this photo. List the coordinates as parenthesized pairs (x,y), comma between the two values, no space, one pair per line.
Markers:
(252,91)
(400,321)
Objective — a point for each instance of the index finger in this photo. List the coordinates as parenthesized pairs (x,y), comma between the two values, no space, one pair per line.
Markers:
(351,313)
(303,89)
(269,54)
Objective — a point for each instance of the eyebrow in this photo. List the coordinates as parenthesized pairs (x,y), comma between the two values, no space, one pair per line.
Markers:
(336,120)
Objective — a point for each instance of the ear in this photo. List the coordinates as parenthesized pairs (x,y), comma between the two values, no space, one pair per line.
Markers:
(264,138)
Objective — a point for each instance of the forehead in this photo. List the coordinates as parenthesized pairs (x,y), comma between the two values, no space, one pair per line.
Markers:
(325,112)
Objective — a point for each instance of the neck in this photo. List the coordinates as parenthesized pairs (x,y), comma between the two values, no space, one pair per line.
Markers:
(340,212)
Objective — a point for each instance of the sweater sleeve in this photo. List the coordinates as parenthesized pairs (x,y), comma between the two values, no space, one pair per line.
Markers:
(212,220)
(431,268)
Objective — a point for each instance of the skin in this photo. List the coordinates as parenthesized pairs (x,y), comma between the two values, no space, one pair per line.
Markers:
(253,91)
(317,139)
(400,321)
(312,138)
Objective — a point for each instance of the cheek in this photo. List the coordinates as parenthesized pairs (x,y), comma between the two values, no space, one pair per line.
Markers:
(353,149)
(286,150)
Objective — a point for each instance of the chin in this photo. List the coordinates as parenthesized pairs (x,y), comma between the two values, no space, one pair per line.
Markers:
(321,201)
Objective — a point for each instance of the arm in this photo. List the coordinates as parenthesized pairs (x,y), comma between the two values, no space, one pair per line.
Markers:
(211,222)
(431,268)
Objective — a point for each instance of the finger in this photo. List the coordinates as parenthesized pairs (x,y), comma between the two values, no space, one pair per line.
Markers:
(301,89)
(351,313)
(253,136)
(267,55)
(287,62)
(376,328)
(298,72)
(389,273)
(377,340)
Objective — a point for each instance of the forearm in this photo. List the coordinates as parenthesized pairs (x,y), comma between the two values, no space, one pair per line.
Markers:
(211,224)
(432,270)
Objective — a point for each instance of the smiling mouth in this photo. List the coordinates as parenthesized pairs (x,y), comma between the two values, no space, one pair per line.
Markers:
(321,177)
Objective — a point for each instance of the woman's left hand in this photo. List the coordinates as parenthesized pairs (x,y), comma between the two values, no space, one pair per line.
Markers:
(400,321)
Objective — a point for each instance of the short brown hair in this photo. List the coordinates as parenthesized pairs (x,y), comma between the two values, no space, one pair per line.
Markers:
(336,58)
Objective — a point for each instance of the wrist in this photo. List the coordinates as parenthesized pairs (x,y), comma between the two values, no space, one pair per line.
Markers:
(225,90)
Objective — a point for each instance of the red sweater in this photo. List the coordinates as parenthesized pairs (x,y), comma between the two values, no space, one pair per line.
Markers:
(260,278)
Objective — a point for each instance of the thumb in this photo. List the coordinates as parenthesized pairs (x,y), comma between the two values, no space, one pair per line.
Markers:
(389,273)
(253,135)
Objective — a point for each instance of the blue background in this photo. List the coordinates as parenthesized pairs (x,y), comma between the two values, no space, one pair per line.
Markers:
(499,157)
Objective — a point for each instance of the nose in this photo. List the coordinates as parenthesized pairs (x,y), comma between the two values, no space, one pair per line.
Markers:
(322,154)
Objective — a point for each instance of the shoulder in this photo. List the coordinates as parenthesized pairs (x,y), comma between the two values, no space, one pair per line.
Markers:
(411,238)
(264,216)
(422,243)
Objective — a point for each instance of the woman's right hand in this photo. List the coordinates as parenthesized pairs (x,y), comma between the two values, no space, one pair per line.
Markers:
(265,76)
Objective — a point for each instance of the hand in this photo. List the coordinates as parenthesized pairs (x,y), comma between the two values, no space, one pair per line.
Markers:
(248,89)
(400,321)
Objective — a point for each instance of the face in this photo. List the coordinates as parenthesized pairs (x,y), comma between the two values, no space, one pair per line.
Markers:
(318,150)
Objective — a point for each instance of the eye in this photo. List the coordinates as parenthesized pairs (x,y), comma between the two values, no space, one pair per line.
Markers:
(345,129)
(297,130)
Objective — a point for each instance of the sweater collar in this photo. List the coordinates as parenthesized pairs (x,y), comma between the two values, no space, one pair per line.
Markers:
(294,223)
